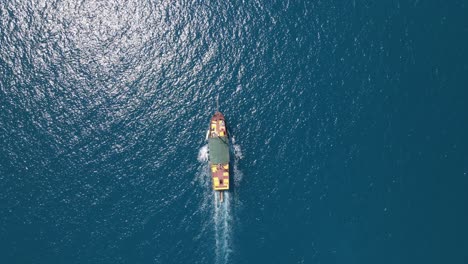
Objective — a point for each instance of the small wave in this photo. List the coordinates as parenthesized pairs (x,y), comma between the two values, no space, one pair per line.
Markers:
(203,178)
(203,154)
(237,151)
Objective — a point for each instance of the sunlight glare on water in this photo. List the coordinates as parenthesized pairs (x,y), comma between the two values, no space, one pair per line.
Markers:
(346,119)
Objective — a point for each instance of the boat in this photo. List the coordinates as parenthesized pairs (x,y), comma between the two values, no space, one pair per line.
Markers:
(218,145)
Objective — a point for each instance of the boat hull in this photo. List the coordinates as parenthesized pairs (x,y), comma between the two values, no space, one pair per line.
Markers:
(218,144)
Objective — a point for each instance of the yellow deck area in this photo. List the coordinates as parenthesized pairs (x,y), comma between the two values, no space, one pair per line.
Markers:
(218,128)
(220,174)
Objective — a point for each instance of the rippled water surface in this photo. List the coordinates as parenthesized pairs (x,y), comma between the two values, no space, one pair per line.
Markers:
(348,122)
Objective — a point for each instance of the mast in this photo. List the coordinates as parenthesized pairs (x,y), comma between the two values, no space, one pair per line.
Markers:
(217,103)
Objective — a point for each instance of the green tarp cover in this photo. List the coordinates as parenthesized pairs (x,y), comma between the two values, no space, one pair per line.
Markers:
(219,150)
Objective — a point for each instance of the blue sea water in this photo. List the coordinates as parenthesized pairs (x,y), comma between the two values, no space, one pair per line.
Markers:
(348,122)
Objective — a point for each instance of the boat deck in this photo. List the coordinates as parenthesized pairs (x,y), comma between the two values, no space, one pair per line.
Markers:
(219,152)
(218,126)
(220,175)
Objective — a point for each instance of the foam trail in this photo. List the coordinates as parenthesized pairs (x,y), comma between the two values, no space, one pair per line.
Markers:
(203,154)
(237,174)
(203,179)
(222,218)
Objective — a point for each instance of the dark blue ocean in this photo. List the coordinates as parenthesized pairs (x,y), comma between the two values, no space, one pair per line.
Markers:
(348,124)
